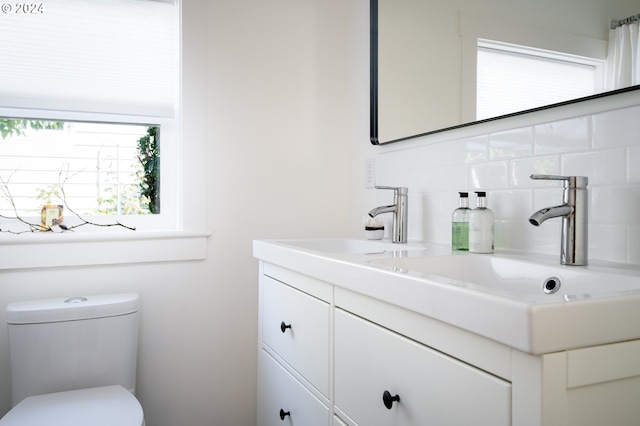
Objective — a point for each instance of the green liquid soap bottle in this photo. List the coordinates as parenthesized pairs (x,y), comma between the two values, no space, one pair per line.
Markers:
(460,224)
(481,227)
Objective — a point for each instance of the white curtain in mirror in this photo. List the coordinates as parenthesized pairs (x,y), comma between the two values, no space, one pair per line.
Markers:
(623,58)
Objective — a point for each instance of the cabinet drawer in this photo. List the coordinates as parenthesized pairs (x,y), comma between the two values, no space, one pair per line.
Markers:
(285,401)
(433,389)
(304,343)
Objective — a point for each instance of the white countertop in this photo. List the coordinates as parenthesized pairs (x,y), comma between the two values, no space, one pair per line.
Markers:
(607,312)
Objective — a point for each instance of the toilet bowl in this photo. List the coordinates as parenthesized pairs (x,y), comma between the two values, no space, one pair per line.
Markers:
(73,361)
(101,406)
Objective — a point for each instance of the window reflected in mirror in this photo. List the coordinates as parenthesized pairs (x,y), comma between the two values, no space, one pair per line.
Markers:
(513,78)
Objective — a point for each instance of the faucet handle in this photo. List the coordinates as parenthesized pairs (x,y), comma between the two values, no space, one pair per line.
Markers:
(396,190)
(570,181)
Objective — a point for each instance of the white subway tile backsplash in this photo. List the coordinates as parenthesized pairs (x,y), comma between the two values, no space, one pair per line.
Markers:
(520,235)
(608,242)
(417,204)
(605,147)
(603,167)
(420,180)
(633,244)
(562,136)
(501,234)
(511,143)
(438,230)
(416,230)
(546,197)
(633,164)
(434,204)
(451,178)
(615,204)
(514,205)
(427,156)
(390,162)
(471,150)
(544,239)
(617,128)
(522,169)
(489,175)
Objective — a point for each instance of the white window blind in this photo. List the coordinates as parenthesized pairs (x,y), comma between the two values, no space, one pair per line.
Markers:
(103,56)
(516,78)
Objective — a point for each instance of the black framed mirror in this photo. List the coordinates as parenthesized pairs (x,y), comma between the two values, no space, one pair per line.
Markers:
(444,108)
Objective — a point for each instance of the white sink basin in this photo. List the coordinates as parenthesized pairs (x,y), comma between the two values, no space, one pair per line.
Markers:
(519,279)
(500,296)
(349,245)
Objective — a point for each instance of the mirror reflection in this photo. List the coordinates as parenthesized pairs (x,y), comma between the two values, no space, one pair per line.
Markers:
(439,65)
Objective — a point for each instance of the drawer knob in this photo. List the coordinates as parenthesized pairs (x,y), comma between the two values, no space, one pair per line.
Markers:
(389,400)
(283,326)
(284,414)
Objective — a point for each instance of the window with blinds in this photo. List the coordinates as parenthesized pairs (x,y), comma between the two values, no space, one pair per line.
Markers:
(517,78)
(84,85)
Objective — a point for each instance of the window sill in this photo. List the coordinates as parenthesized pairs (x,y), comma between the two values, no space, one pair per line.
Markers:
(50,250)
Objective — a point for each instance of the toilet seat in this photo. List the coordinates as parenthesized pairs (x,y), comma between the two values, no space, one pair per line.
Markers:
(101,406)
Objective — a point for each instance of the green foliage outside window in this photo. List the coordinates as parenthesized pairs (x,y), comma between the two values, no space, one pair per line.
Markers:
(149,157)
(16,127)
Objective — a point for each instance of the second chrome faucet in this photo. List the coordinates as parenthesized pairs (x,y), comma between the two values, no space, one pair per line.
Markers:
(574,213)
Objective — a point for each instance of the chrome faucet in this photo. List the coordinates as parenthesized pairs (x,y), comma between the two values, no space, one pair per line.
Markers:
(399,210)
(574,213)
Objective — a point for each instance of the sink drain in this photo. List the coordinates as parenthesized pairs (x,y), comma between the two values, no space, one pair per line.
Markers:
(551,285)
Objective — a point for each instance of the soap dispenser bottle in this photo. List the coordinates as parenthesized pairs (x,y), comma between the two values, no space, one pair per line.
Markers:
(481,226)
(460,224)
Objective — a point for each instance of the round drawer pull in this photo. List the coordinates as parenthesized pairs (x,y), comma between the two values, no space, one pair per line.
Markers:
(283,326)
(283,413)
(389,400)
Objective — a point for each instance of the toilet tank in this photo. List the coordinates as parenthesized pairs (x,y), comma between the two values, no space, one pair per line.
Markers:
(72,343)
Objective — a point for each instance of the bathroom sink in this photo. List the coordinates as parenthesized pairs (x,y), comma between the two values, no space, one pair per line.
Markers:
(531,303)
(349,245)
(524,280)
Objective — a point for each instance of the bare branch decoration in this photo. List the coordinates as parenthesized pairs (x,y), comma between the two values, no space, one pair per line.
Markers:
(36,227)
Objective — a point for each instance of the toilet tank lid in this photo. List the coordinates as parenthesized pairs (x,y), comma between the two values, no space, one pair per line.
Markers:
(72,308)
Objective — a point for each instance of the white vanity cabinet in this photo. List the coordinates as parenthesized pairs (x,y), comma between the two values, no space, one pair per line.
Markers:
(294,349)
(383,378)
(285,400)
(295,325)
(328,351)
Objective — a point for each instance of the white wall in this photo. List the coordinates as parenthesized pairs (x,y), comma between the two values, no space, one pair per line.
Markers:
(267,137)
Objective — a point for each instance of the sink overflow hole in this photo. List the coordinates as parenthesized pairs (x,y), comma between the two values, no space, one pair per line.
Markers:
(551,285)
